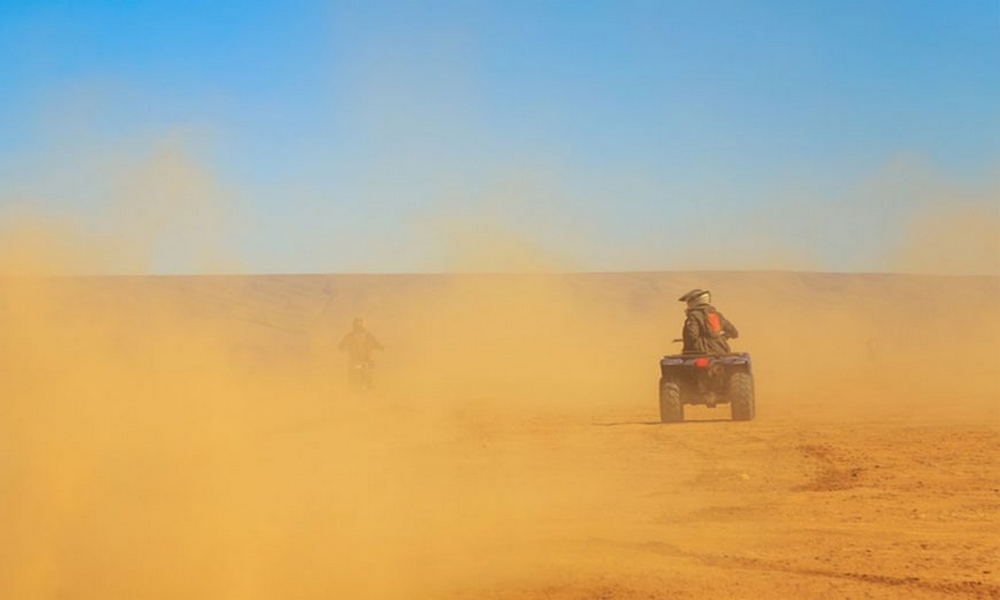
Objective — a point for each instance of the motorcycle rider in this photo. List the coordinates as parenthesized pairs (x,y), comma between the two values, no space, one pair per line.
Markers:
(359,344)
(706,331)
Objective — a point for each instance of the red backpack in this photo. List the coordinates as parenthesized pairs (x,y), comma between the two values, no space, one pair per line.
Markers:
(714,323)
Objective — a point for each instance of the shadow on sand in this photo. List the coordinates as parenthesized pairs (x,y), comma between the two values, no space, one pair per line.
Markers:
(691,422)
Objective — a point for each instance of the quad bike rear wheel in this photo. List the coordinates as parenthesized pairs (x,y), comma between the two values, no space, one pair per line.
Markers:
(741,396)
(671,408)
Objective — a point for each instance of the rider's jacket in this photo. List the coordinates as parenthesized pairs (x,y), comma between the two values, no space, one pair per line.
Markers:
(359,345)
(706,331)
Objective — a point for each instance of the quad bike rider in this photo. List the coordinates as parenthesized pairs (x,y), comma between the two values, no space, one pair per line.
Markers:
(706,331)
(359,344)
(706,372)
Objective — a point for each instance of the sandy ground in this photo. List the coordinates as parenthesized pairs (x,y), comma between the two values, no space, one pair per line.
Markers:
(773,509)
(188,437)
(623,507)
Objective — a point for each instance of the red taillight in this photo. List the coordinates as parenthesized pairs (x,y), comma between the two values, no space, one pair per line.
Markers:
(701,362)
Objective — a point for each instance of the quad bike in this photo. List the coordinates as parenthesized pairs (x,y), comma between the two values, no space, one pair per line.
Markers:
(707,379)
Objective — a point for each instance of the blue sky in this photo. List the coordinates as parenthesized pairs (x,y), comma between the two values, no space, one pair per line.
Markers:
(414,136)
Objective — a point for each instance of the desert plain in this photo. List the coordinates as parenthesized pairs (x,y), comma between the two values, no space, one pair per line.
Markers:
(193,437)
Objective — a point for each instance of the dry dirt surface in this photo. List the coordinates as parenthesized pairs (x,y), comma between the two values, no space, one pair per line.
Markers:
(195,438)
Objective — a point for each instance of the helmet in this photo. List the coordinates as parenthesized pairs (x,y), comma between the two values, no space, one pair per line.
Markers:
(696,297)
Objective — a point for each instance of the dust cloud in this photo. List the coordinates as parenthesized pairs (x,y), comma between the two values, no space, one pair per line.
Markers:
(194,436)
(960,242)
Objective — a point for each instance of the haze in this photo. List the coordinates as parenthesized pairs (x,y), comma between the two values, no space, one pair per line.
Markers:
(196,200)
